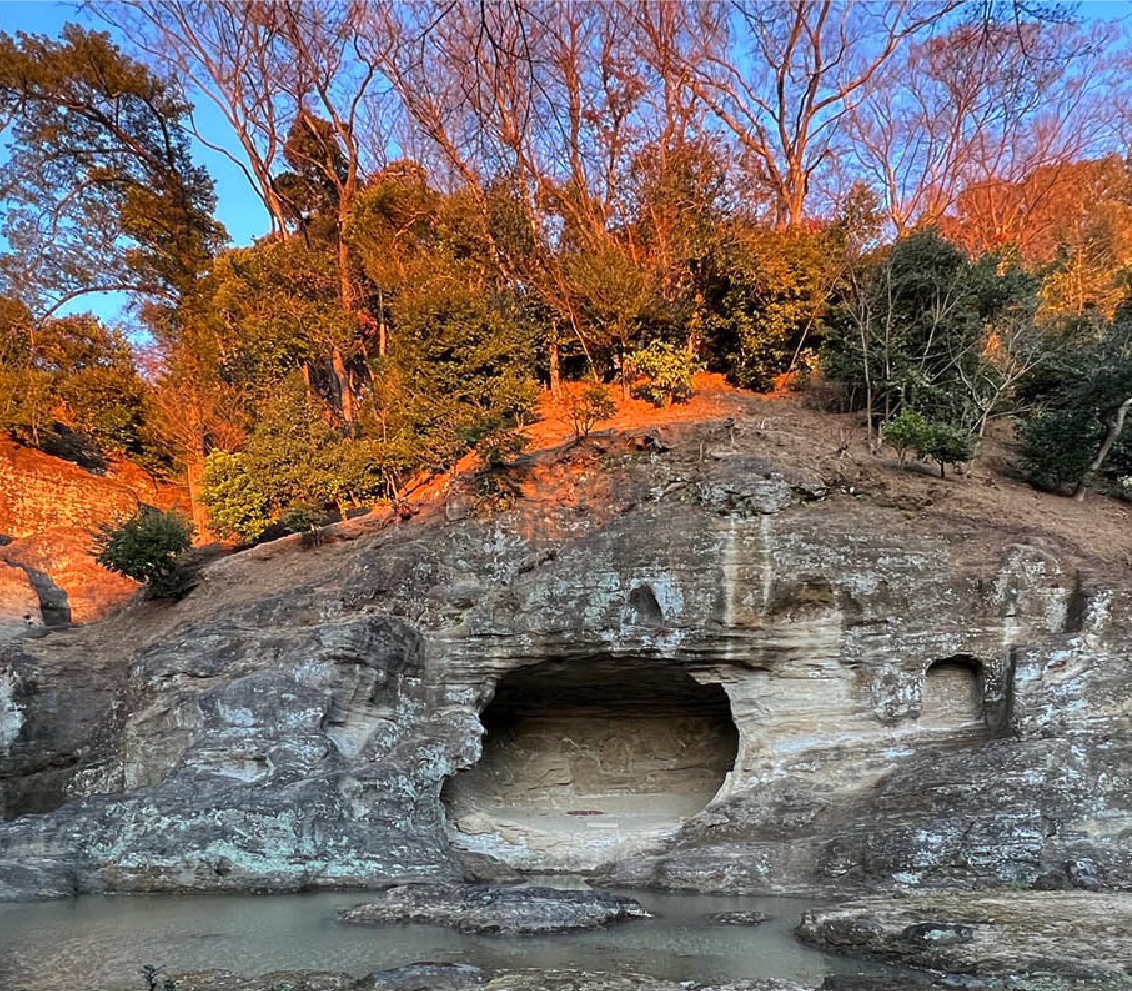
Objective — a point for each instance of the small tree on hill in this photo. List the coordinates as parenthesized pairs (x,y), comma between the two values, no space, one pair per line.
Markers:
(939,442)
(907,432)
(668,368)
(147,547)
(588,408)
(947,445)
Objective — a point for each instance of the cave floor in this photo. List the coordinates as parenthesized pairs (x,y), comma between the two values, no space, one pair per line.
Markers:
(578,836)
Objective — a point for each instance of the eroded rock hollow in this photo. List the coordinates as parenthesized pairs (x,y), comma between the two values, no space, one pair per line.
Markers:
(587,761)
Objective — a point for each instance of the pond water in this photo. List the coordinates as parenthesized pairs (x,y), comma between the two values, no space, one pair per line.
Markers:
(100,942)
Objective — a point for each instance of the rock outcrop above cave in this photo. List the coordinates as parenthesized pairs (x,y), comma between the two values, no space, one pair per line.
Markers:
(927,681)
(499,911)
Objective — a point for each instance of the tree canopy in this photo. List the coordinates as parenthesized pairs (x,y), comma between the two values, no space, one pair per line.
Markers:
(922,209)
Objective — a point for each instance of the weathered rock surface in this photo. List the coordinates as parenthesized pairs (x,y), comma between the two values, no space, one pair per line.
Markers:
(39,492)
(19,604)
(456,977)
(1060,937)
(426,977)
(70,585)
(500,911)
(414,977)
(578,980)
(49,510)
(920,697)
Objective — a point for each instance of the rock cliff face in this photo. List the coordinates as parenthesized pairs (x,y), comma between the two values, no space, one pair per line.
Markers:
(39,492)
(699,665)
(49,509)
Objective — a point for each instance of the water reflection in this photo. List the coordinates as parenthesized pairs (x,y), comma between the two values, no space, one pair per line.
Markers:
(102,942)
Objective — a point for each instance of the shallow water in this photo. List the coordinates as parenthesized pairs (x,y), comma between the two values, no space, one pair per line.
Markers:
(95,942)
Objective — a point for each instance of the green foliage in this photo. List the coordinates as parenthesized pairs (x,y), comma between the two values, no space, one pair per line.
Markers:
(461,363)
(588,407)
(1076,400)
(99,189)
(309,189)
(947,445)
(398,323)
(303,519)
(269,309)
(910,431)
(1059,445)
(668,369)
(923,327)
(291,458)
(72,372)
(396,227)
(457,386)
(939,442)
(237,505)
(764,294)
(147,547)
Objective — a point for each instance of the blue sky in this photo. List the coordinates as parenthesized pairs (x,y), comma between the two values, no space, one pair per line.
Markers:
(238,208)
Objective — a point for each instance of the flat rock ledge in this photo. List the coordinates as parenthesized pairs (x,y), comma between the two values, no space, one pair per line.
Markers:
(456,977)
(1031,939)
(495,910)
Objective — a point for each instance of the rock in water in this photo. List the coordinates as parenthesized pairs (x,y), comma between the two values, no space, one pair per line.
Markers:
(738,918)
(1053,939)
(425,977)
(501,911)
(938,934)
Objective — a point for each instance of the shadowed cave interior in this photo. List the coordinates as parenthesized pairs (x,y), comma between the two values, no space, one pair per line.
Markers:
(584,761)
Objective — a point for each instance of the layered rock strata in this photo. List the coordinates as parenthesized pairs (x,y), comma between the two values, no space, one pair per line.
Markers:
(916,697)
(1063,938)
(50,510)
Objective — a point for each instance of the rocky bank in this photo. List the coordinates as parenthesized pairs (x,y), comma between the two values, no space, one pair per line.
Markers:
(1057,939)
(723,655)
(457,977)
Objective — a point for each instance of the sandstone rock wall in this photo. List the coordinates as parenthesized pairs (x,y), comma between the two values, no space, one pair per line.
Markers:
(49,510)
(921,701)
(20,602)
(39,492)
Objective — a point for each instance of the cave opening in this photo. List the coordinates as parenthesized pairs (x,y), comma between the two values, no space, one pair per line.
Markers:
(588,761)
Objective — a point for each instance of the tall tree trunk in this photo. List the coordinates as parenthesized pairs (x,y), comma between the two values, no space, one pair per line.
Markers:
(345,393)
(1114,429)
(194,473)
(342,384)
(381,336)
(863,327)
(555,374)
